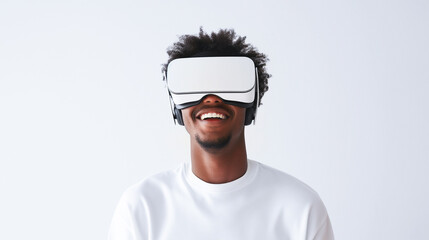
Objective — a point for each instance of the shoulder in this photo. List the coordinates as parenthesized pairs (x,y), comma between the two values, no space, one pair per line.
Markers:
(286,187)
(293,197)
(138,201)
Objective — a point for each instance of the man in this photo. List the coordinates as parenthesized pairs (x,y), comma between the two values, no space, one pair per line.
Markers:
(220,194)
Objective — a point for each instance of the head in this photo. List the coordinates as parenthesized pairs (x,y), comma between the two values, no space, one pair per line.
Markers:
(225,42)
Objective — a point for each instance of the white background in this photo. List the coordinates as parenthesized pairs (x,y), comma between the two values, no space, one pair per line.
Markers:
(84,112)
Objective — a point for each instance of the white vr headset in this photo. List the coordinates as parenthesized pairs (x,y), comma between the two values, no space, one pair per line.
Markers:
(234,79)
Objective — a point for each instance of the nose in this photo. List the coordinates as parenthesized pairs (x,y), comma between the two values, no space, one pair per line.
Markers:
(212,99)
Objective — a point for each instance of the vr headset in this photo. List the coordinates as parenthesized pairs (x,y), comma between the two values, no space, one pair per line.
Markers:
(234,79)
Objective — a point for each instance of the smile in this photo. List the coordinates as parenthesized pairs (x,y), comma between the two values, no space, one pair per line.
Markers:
(212,115)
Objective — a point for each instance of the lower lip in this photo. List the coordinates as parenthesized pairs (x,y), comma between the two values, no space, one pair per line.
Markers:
(213,121)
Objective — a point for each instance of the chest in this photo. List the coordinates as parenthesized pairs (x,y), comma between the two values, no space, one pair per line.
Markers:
(245,216)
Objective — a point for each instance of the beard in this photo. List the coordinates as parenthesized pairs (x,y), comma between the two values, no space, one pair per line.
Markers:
(213,144)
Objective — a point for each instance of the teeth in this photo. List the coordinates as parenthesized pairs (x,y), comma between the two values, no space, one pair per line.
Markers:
(212,115)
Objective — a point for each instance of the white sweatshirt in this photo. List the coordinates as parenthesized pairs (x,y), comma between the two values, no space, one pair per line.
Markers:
(263,204)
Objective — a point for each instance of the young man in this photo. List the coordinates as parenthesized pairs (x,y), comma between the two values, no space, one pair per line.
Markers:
(215,84)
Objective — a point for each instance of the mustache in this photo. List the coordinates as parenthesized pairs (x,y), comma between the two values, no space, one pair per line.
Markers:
(218,106)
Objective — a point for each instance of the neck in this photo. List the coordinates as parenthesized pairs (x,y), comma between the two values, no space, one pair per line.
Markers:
(219,165)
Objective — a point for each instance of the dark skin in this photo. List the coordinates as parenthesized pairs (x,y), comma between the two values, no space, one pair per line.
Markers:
(218,149)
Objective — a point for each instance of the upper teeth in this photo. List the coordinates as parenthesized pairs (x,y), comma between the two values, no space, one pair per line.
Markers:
(212,115)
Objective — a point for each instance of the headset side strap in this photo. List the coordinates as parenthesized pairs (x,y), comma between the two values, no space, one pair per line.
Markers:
(170,98)
(257,95)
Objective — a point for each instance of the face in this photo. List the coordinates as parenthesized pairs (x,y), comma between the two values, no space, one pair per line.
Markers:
(213,124)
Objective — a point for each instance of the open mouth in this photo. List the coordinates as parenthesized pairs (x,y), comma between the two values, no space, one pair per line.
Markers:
(206,113)
(212,115)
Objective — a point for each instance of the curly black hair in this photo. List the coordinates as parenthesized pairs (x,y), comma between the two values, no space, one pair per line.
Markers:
(223,43)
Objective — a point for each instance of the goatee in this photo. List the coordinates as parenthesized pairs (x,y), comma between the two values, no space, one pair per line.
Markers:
(215,144)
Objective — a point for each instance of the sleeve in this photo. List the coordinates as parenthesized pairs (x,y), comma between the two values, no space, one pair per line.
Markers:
(325,231)
(318,222)
(121,224)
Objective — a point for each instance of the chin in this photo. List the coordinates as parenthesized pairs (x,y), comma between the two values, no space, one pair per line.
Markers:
(213,144)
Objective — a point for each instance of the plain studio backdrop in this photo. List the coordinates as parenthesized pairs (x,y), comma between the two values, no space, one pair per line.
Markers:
(84,112)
